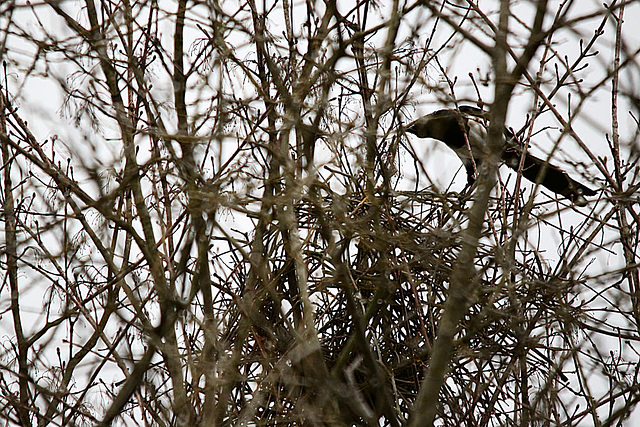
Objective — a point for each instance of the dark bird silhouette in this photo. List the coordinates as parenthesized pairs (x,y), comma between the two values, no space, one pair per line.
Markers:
(456,127)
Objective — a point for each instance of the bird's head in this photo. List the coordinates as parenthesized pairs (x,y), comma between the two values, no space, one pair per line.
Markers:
(436,125)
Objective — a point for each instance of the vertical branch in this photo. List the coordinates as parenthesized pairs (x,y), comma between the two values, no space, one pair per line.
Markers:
(11,251)
(464,278)
(181,403)
(623,207)
(180,82)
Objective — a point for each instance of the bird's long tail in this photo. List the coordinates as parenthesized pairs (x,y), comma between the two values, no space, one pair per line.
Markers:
(552,178)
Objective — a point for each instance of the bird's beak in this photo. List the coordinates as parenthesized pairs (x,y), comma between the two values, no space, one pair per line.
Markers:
(412,128)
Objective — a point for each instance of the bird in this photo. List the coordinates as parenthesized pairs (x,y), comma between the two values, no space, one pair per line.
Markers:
(464,130)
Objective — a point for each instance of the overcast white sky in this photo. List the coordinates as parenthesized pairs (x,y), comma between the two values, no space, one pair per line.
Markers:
(42,103)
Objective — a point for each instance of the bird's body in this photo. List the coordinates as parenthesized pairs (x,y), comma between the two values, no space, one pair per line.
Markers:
(465,131)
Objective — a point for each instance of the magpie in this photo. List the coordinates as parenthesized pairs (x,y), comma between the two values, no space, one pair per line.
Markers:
(455,127)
